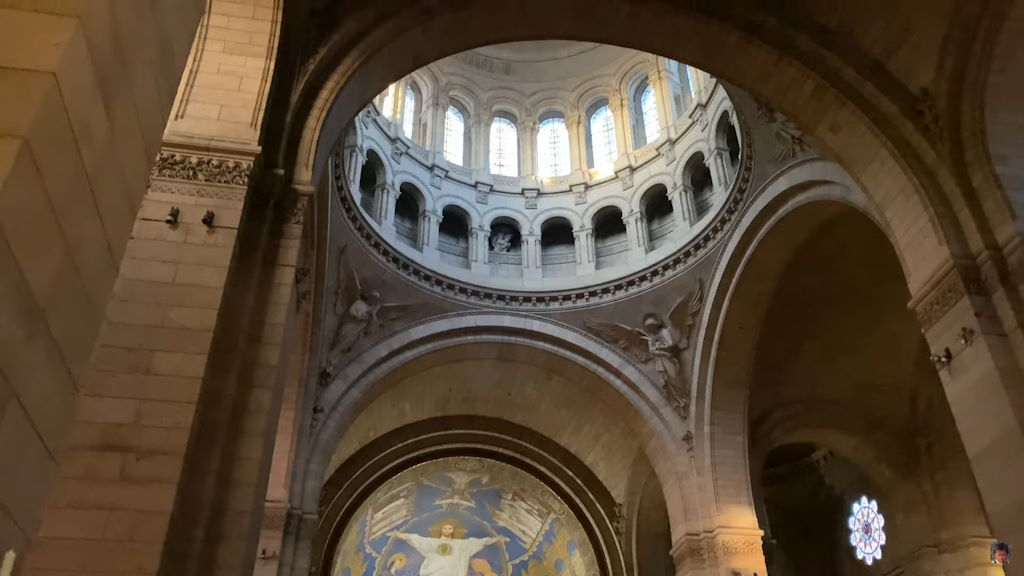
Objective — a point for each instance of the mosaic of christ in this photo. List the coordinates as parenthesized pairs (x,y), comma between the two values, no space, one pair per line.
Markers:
(464,517)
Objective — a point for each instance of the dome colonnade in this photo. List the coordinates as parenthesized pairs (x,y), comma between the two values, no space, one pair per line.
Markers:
(529,233)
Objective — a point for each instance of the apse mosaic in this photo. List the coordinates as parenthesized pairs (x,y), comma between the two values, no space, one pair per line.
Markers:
(464,517)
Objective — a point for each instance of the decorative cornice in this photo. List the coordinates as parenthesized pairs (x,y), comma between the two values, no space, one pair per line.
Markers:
(184,188)
(945,293)
(447,287)
(712,547)
(199,168)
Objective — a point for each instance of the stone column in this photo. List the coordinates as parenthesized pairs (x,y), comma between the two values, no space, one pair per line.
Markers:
(623,128)
(436,137)
(480,137)
(717,182)
(636,232)
(479,245)
(681,210)
(663,95)
(528,147)
(531,257)
(577,141)
(429,223)
(381,203)
(689,203)
(720,166)
(985,389)
(583,238)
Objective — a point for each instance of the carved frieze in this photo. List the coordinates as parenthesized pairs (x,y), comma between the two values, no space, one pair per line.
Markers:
(196,168)
(183,188)
(789,140)
(949,291)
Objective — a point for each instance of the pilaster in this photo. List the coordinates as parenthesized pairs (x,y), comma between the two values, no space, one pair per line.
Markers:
(984,387)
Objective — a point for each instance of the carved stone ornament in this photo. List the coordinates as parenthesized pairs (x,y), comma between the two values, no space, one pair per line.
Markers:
(362,309)
(531,195)
(949,291)
(711,548)
(789,140)
(180,166)
(626,178)
(303,286)
(398,149)
(437,176)
(660,346)
(580,193)
(668,152)
(482,191)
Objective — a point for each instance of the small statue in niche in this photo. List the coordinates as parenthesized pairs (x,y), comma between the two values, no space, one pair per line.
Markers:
(658,344)
(501,242)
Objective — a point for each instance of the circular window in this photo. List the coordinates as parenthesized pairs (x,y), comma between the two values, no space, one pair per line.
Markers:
(867,530)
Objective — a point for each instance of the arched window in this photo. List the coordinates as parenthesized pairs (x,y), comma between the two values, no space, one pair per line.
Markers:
(454,136)
(504,147)
(643,108)
(601,135)
(649,110)
(386,101)
(552,147)
(682,86)
(410,111)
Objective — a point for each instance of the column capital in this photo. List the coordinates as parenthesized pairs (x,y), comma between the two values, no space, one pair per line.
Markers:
(734,548)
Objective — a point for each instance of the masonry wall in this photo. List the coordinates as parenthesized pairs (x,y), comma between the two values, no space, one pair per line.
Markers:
(85,93)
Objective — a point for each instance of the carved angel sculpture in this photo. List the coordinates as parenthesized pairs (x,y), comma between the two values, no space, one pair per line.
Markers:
(361,310)
(659,344)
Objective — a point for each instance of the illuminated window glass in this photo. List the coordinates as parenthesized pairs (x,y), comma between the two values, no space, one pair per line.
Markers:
(649,110)
(602,136)
(409,111)
(552,148)
(867,530)
(504,147)
(691,77)
(454,135)
(387,103)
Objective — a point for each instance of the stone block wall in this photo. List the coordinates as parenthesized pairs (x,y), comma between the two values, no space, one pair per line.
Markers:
(85,92)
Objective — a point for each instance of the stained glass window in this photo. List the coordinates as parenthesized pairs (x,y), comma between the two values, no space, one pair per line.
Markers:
(454,135)
(867,530)
(409,111)
(504,147)
(649,110)
(602,139)
(552,148)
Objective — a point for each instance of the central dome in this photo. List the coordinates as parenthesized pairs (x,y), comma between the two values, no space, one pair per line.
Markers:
(542,167)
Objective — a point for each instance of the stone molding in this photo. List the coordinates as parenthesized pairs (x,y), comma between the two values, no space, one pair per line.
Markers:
(209,191)
(202,168)
(698,549)
(447,287)
(936,301)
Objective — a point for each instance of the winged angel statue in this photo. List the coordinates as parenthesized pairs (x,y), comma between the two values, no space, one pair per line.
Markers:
(361,311)
(658,343)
